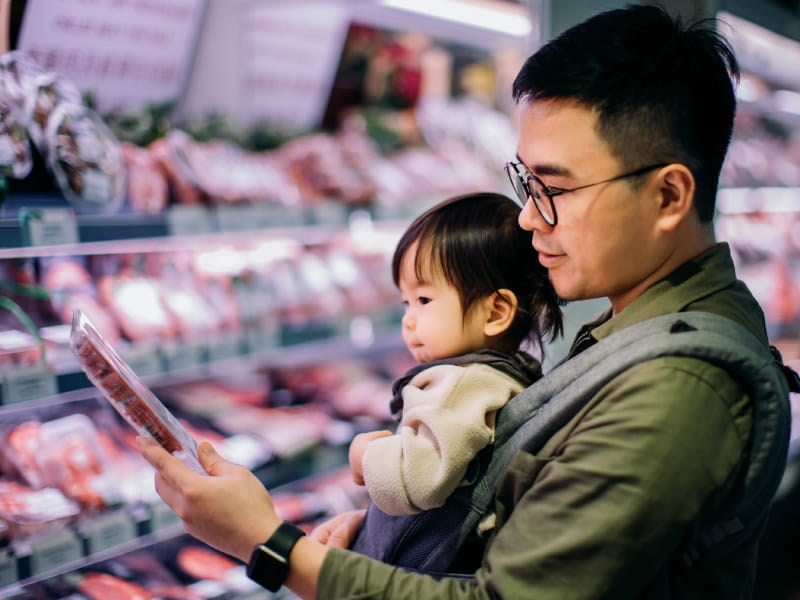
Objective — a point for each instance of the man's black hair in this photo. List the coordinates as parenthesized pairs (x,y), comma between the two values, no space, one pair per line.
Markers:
(663,91)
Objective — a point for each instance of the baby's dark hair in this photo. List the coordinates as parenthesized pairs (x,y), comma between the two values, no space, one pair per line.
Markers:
(475,241)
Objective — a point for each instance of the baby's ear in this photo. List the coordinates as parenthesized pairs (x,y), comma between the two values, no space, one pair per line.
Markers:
(502,306)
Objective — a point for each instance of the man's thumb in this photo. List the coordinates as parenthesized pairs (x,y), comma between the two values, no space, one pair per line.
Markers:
(210,459)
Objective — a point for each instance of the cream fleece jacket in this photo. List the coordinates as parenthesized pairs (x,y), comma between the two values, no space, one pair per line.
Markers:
(448,417)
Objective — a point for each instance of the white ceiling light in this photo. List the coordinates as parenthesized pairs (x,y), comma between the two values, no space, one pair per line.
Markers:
(507,19)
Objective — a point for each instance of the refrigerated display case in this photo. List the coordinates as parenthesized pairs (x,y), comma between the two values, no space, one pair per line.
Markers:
(244,278)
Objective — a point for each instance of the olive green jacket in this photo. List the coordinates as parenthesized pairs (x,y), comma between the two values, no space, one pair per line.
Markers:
(601,509)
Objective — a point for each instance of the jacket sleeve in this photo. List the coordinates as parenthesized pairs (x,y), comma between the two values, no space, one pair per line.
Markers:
(448,416)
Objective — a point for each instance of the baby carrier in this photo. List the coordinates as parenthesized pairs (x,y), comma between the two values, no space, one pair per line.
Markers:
(444,540)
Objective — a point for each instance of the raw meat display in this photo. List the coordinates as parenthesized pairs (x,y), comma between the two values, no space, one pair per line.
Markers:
(148,191)
(25,511)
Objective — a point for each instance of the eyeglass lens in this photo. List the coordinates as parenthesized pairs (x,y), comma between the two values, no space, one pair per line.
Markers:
(542,200)
(526,187)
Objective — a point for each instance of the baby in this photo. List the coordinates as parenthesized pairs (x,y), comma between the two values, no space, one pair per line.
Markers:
(474,293)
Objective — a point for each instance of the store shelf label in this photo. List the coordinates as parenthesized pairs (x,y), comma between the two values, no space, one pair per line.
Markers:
(239,218)
(225,346)
(186,219)
(179,356)
(162,517)
(8,568)
(25,384)
(49,226)
(54,551)
(272,214)
(143,361)
(262,339)
(329,212)
(106,531)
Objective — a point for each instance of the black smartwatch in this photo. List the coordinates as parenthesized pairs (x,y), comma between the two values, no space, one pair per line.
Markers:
(269,563)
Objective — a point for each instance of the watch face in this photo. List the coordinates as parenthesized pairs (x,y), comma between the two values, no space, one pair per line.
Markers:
(269,563)
(267,568)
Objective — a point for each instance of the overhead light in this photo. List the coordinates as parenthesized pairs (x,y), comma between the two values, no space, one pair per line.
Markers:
(487,15)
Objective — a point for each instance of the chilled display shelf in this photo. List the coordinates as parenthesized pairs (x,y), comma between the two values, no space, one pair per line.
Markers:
(180,362)
(114,533)
(758,199)
(89,541)
(57,231)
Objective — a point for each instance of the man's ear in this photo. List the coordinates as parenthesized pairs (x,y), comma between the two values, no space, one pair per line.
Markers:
(676,196)
(501,307)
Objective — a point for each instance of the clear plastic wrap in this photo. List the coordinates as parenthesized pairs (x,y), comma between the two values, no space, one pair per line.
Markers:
(47,91)
(129,396)
(16,157)
(85,159)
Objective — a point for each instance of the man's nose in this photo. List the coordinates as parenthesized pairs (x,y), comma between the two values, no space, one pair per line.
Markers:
(530,219)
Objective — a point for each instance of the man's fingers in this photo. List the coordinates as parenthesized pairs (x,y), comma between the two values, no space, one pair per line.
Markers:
(345,530)
(171,473)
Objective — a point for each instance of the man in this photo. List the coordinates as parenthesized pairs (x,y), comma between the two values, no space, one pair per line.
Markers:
(624,124)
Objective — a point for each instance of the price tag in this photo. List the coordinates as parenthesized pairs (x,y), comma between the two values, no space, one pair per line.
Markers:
(181,356)
(224,346)
(278,215)
(187,219)
(162,517)
(49,226)
(23,384)
(54,551)
(109,530)
(329,212)
(238,218)
(143,361)
(8,569)
(262,339)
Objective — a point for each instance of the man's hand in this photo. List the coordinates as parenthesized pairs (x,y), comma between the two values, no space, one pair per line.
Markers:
(356,454)
(338,531)
(230,510)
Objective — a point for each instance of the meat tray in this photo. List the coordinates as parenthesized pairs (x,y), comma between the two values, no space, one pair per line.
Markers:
(131,398)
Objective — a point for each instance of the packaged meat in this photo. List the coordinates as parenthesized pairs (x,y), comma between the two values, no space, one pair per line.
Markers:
(194,316)
(147,185)
(170,153)
(129,396)
(70,457)
(16,157)
(71,286)
(46,92)
(18,70)
(85,159)
(64,453)
(201,562)
(137,305)
(27,511)
(103,586)
(18,349)
(20,445)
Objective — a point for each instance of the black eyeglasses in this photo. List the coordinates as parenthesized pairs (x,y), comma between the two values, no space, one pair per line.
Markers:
(528,186)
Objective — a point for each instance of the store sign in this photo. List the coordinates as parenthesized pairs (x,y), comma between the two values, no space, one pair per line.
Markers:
(290,55)
(128,53)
